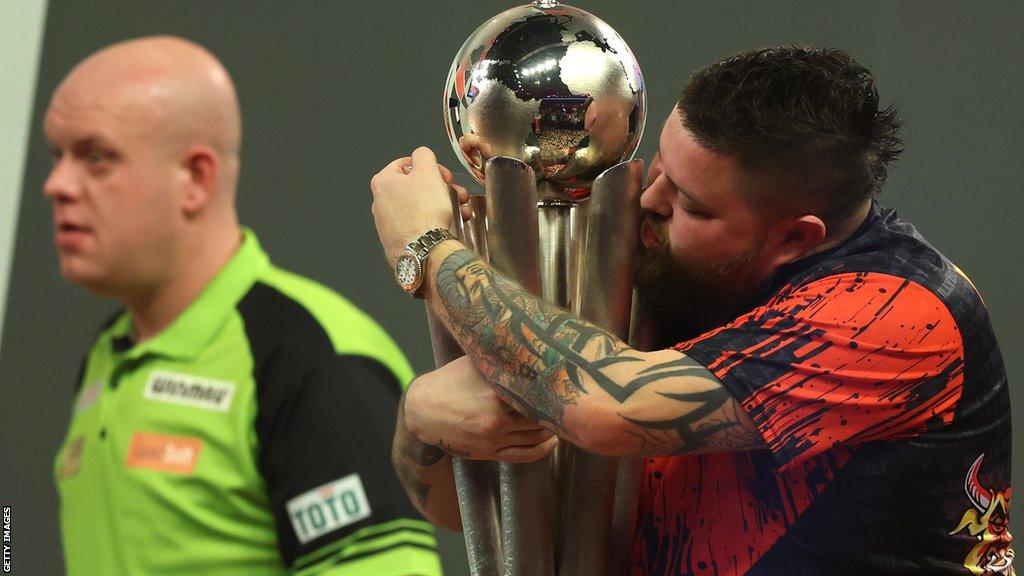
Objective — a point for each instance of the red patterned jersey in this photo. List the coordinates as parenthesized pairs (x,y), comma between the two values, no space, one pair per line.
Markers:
(874,376)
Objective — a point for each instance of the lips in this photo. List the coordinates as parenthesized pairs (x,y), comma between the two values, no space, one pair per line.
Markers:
(648,235)
(70,235)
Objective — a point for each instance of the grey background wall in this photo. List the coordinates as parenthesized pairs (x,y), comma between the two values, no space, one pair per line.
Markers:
(331,91)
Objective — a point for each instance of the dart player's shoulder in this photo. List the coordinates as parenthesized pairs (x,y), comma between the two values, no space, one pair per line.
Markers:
(307,309)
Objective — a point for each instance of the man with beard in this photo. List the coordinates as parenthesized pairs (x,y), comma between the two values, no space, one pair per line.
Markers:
(833,400)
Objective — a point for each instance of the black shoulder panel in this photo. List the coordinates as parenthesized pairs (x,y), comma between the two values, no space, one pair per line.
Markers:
(320,416)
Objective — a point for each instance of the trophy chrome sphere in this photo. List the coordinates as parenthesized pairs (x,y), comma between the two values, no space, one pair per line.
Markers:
(551,85)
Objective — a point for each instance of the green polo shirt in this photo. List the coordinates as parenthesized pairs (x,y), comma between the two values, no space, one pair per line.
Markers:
(252,436)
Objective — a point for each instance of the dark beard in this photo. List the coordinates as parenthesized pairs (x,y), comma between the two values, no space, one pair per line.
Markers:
(678,301)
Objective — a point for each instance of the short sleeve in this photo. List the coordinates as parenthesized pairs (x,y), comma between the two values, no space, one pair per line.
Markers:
(841,360)
(324,431)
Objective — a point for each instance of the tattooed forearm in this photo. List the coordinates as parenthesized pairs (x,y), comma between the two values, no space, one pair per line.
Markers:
(535,351)
(546,360)
(690,428)
(411,456)
(426,475)
(715,425)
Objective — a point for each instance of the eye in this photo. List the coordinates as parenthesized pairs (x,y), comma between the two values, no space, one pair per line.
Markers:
(55,154)
(698,214)
(96,157)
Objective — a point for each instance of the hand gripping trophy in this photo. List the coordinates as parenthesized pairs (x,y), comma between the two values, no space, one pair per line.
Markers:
(544,105)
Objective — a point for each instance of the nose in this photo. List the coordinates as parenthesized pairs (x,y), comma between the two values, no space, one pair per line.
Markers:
(63,184)
(654,198)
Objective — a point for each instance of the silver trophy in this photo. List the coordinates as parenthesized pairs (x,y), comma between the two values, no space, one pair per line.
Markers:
(544,105)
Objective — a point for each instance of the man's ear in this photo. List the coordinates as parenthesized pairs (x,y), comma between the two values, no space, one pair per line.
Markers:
(790,239)
(201,167)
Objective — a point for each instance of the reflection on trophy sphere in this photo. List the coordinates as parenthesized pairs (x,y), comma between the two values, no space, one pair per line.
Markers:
(551,85)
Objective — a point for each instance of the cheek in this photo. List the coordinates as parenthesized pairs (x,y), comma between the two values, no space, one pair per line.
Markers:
(686,233)
(703,240)
(139,212)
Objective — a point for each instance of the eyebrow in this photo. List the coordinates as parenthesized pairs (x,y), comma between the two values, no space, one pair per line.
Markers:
(689,196)
(699,204)
(84,143)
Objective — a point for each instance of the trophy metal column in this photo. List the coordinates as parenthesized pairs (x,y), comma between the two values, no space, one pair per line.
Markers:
(544,104)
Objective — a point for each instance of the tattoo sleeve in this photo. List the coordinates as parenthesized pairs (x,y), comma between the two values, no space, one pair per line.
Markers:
(549,362)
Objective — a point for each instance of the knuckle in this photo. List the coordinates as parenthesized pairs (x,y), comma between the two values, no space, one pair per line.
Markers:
(491,424)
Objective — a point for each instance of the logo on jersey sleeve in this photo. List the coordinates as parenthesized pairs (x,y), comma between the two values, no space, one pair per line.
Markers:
(327,508)
(989,524)
(71,460)
(190,391)
(88,397)
(178,454)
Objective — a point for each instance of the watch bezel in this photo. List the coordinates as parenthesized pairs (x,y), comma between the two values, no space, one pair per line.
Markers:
(417,281)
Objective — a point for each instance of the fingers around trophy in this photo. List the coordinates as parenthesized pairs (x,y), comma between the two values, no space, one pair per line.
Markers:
(461,192)
(523,454)
(529,437)
(397,166)
(516,422)
(446,174)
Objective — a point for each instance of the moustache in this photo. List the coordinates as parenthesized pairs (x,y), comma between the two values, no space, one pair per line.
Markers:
(657,223)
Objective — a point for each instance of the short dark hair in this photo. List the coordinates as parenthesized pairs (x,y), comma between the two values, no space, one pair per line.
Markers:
(804,121)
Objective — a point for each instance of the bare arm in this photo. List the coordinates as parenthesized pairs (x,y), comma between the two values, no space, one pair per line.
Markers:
(452,410)
(580,380)
(426,474)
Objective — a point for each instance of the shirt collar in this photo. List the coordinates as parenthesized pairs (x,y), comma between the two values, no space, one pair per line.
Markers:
(195,328)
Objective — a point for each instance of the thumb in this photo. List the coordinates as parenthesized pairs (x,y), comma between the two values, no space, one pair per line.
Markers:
(423,159)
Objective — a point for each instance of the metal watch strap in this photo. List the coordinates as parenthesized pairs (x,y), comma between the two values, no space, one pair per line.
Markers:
(422,245)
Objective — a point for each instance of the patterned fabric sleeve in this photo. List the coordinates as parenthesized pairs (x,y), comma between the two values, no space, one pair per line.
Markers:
(845,359)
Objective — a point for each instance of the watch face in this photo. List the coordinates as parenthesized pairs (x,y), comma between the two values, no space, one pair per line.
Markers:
(407,271)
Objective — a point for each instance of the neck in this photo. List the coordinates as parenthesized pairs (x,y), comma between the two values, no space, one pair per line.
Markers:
(842,231)
(154,310)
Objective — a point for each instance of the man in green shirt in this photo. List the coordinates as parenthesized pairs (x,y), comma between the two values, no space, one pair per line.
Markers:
(235,418)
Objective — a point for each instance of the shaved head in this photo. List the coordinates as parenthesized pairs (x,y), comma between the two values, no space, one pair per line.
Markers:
(173,89)
(145,139)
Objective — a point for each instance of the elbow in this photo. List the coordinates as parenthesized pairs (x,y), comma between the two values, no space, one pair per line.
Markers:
(596,426)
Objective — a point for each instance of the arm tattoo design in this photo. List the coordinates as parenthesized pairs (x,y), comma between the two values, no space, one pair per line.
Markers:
(424,455)
(542,358)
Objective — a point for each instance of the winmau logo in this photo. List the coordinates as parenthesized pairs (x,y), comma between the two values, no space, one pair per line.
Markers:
(328,507)
(190,391)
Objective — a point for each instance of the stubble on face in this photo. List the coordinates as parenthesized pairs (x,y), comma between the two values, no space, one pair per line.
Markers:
(685,296)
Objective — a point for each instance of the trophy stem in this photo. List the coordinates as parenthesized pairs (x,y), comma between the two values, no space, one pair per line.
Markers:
(555,233)
(475,481)
(478,506)
(527,496)
(603,294)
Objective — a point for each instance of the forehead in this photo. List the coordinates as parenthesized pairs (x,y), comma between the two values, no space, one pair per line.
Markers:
(710,176)
(116,115)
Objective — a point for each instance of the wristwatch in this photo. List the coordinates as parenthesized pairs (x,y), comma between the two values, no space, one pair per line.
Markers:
(409,266)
